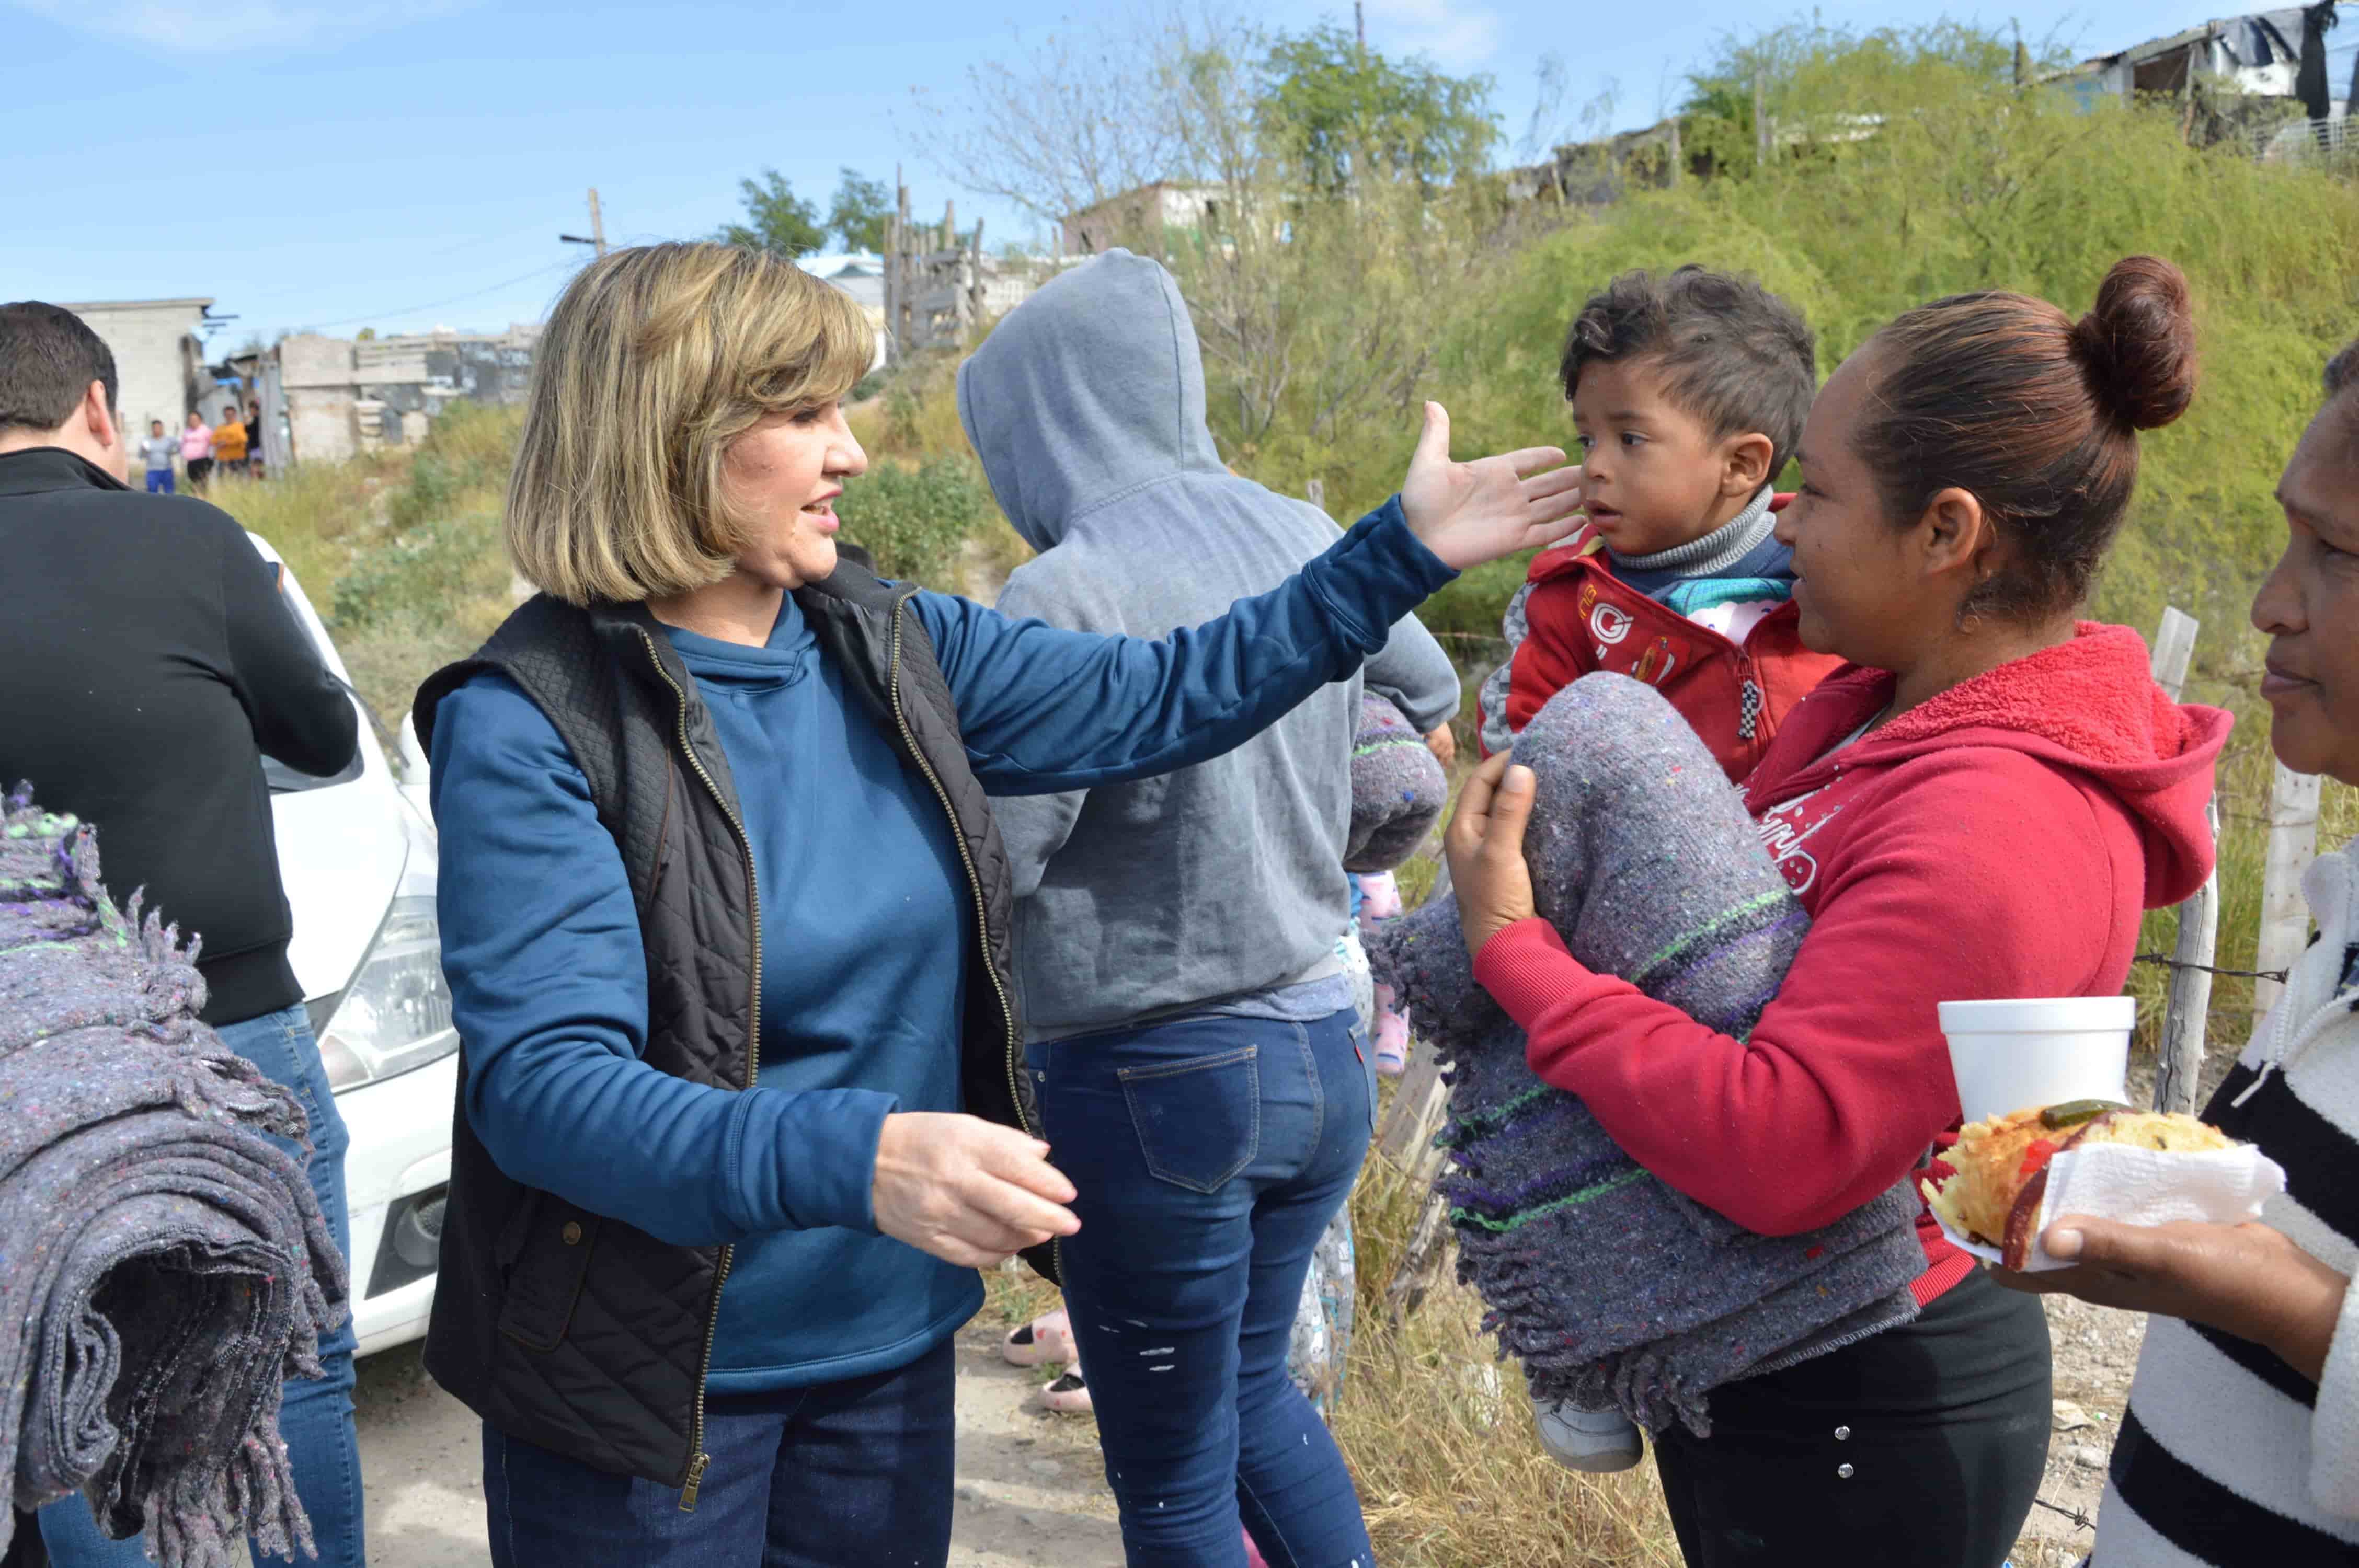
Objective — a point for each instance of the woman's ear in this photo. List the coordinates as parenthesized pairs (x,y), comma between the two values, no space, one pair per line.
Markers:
(1955,537)
(1745,464)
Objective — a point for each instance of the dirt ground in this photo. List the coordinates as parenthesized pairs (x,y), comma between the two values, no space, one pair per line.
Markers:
(1030,1489)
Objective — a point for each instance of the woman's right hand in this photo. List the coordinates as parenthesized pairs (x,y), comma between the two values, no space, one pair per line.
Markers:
(1468,513)
(968,1190)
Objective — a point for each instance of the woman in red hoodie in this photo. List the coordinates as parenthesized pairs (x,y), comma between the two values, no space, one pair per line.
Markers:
(1980,806)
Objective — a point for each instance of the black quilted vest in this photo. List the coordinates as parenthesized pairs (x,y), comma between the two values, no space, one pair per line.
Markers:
(573,1330)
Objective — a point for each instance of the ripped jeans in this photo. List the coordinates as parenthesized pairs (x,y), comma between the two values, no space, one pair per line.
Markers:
(1210,1154)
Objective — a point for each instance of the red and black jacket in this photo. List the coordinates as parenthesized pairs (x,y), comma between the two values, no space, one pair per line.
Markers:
(1583,618)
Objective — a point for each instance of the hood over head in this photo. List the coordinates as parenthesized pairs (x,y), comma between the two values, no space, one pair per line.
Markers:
(1089,390)
(2090,703)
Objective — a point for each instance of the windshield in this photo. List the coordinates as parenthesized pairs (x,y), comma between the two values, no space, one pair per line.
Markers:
(284,780)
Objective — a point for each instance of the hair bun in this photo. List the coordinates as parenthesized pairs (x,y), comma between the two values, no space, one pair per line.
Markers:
(2137,347)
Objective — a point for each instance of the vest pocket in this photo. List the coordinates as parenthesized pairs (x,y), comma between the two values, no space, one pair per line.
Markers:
(1199,1121)
(550,1242)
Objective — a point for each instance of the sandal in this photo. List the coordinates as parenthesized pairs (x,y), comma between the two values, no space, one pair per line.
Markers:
(1047,1338)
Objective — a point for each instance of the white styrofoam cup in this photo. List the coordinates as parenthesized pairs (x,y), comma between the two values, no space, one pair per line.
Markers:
(2014,1054)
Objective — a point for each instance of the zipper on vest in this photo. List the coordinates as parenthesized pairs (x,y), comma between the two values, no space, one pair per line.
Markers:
(698,1457)
(974,882)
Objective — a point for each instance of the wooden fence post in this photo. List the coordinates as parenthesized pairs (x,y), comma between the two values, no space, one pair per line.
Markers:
(2293,844)
(2181,1061)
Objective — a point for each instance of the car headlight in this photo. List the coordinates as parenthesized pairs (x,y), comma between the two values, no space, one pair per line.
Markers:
(396,1015)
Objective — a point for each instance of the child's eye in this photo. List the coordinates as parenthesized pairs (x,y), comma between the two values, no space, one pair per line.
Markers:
(1584,442)
(1632,439)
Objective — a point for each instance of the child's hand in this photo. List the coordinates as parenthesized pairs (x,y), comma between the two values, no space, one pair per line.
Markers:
(1485,848)
(1468,513)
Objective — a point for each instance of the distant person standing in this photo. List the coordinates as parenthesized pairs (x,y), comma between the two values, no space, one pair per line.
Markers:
(197,450)
(254,463)
(148,662)
(159,450)
(229,441)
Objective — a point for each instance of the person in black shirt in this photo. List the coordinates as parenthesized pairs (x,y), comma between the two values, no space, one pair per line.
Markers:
(148,662)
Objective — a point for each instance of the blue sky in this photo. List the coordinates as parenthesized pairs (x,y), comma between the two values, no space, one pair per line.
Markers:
(402,163)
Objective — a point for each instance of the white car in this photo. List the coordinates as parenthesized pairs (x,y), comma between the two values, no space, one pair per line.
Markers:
(356,852)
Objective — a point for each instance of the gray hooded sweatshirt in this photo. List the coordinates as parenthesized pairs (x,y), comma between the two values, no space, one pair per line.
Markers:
(1224,881)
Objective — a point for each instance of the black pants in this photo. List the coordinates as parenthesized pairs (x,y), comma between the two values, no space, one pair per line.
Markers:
(199,470)
(1919,1447)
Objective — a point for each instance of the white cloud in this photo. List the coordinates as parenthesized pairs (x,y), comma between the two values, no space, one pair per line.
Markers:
(239,26)
(1459,37)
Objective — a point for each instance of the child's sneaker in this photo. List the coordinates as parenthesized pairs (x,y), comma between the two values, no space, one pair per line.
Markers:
(1391,1035)
(1069,1395)
(1598,1442)
(1049,1337)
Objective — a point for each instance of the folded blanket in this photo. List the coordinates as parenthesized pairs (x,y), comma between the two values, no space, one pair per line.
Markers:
(167,1267)
(1615,1290)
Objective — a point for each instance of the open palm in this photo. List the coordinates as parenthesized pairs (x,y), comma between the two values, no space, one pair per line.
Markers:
(1468,513)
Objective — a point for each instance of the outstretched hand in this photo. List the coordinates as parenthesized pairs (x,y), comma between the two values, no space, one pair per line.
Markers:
(1488,875)
(1468,513)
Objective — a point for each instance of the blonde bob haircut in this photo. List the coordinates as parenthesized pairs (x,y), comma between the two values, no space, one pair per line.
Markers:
(655,359)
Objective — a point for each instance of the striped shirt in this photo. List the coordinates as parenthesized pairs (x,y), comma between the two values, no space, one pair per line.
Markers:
(2228,1456)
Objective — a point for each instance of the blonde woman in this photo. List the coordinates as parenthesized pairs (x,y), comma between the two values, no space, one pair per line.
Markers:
(725,919)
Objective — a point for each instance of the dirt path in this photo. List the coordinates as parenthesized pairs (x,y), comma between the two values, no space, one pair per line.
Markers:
(1029,1489)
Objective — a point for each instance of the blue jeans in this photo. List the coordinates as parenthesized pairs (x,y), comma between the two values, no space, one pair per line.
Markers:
(1210,1154)
(317,1418)
(854,1472)
(159,481)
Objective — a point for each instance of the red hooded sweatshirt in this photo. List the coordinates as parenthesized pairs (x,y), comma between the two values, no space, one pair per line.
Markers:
(1998,840)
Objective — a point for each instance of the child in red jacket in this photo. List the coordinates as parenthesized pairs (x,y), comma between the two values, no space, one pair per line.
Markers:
(1688,393)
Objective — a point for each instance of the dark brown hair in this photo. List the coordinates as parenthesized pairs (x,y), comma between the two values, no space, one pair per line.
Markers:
(2036,415)
(1734,354)
(48,357)
(2343,376)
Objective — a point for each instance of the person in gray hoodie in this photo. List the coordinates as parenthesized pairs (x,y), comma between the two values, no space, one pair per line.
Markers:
(1202,1072)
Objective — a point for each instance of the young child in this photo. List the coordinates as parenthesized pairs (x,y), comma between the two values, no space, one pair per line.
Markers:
(1687,395)
(158,449)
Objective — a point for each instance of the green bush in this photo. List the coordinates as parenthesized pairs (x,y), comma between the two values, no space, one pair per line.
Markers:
(423,573)
(469,449)
(915,520)
(1967,184)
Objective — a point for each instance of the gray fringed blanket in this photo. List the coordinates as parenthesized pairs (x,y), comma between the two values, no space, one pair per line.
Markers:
(164,1267)
(1613,1289)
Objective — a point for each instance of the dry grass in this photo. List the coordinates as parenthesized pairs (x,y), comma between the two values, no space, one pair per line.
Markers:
(1438,1432)
(397,550)
(315,515)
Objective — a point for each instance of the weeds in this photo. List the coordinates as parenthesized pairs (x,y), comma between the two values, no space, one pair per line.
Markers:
(399,551)
(914,518)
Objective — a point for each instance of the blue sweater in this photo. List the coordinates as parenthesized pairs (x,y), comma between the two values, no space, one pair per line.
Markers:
(864,904)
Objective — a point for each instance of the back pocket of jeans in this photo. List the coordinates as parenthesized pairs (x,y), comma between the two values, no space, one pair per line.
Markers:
(1199,1121)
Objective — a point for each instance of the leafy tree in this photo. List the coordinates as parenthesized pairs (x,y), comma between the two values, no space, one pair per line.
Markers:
(1340,113)
(861,212)
(776,219)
